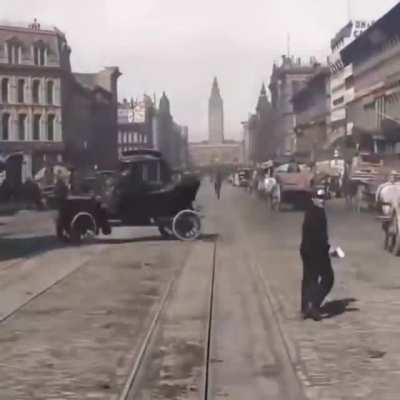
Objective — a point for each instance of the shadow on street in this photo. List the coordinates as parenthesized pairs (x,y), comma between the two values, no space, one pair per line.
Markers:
(22,247)
(152,238)
(334,308)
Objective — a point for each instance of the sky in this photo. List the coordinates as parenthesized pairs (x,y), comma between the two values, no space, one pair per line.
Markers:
(178,46)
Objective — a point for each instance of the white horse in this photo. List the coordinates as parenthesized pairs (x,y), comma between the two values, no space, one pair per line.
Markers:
(387,195)
(271,192)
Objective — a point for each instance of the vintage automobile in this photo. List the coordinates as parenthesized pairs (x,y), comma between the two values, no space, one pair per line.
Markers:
(293,185)
(143,192)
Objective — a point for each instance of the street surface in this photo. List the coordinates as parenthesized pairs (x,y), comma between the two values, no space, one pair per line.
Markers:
(75,320)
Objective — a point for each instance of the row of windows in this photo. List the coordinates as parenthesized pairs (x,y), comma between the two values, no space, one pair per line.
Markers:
(22,126)
(21,85)
(131,137)
(14,52)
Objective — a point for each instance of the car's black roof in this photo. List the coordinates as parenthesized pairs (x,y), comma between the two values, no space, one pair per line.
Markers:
(133,156)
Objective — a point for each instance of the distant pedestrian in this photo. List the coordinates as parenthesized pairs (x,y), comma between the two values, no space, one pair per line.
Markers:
(218,184)
(318,277)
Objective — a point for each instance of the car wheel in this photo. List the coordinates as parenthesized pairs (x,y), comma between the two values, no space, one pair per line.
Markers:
(186,225)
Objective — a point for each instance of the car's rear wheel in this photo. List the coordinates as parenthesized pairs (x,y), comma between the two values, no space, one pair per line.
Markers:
(186,225)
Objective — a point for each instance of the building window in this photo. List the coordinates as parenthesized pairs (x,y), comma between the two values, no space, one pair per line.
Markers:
(21,90)
(50,127)
(50,92)
(14,53)
(338,101)
(4,90)
(39,55)
(5,126)
(21,126)
(380,108)
(36,127)
(36,91)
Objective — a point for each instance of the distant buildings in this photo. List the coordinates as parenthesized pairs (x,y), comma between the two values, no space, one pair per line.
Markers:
(351,105)
(258,134)
(215,115)
(373,114)
(311,106)
(216,150)
(135,124)
(286,80)
(48,113)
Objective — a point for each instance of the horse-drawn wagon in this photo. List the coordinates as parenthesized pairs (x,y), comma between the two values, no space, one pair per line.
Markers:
(288,183)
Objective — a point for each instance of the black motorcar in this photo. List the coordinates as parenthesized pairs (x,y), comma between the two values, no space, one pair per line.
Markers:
(143,192)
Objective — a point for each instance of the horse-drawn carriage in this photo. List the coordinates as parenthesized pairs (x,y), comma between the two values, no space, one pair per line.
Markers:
(287,183)
(363,178)
(143,192)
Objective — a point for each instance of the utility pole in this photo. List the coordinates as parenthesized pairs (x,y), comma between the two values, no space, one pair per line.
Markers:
(288,45)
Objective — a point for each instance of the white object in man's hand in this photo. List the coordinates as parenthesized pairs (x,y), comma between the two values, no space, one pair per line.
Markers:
(337,253)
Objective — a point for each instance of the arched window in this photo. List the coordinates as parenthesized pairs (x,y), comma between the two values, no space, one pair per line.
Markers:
(36,92)
(4,90)
(50,92)
(50,127)
(5,126)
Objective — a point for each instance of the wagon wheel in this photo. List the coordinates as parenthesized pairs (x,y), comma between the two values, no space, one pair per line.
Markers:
(276,198)
(186,225)
(361,202)
(394,243)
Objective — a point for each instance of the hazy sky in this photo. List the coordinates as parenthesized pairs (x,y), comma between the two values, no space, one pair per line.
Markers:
(179,45)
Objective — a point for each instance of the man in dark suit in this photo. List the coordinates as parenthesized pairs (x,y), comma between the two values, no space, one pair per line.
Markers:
(318,277)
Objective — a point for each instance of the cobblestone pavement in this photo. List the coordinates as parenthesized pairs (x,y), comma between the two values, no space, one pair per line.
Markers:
(78,338)
(356,353)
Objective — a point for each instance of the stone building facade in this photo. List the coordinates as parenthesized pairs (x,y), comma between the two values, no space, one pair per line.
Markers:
(169,137)
(135,125)
(311,106)
(341,95)
(207,154)
(33,62)
(373,115)
(48,113)
(286,80)
(258,135)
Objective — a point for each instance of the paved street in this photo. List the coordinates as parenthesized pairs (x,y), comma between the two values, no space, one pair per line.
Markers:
(74,319)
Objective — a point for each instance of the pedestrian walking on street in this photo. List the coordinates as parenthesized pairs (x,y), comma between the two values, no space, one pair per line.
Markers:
(318,277)
(218,184)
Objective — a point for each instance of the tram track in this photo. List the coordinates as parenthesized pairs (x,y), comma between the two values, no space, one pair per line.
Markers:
(142,357)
